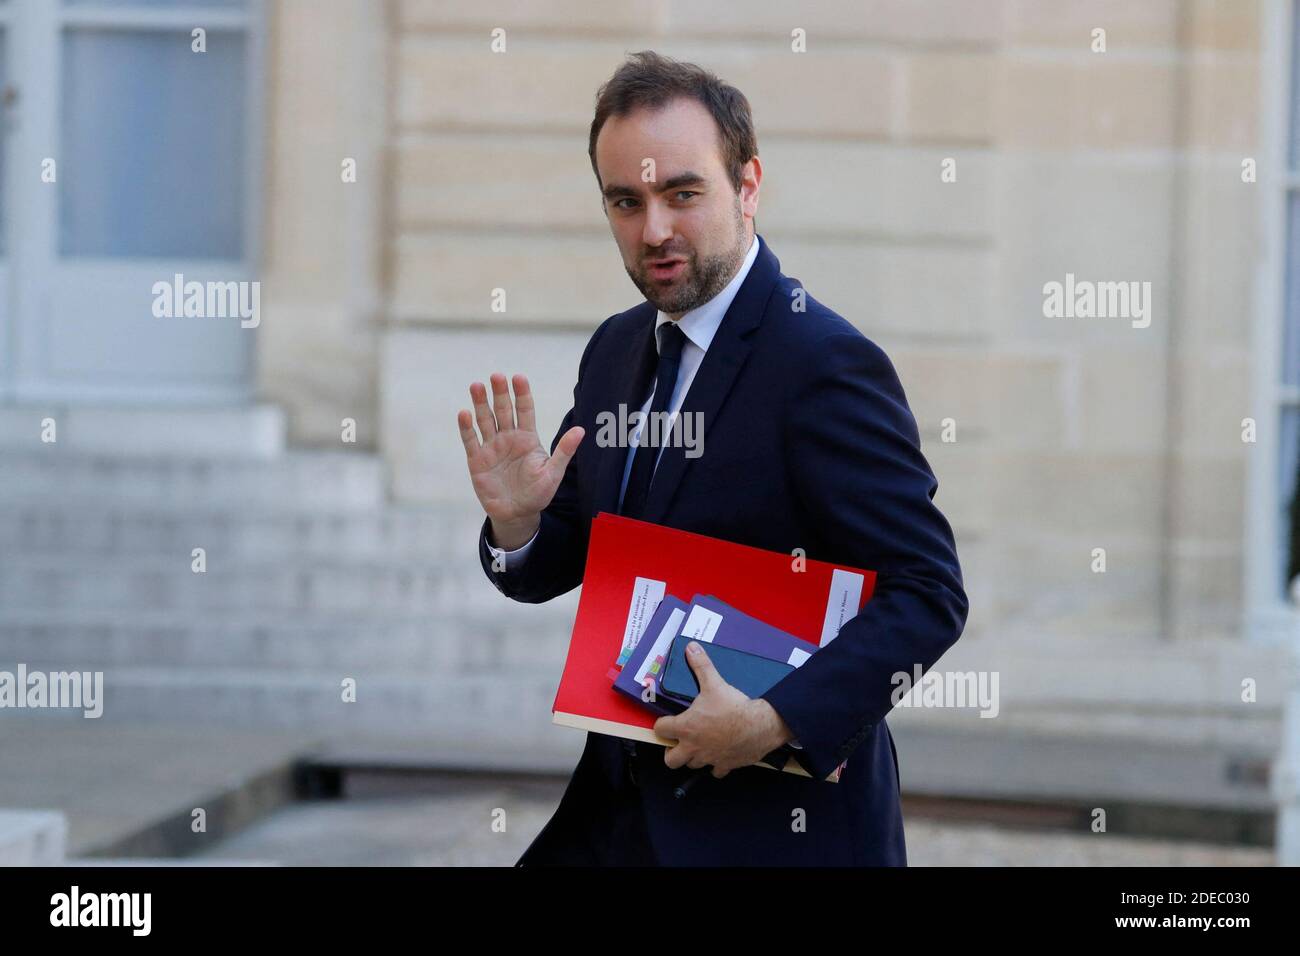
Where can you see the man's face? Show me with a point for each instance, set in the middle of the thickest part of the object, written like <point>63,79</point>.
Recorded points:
<point>684,234</point>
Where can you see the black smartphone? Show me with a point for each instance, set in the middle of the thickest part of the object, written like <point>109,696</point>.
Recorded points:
<point>749,673</point>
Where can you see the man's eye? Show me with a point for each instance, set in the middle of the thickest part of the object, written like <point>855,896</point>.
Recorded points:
<point>687,192</point>
<point>618,203</point>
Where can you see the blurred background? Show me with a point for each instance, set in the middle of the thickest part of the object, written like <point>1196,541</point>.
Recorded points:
<point>380,168</point>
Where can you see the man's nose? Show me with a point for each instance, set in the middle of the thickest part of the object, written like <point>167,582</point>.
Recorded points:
<point>658,227</point>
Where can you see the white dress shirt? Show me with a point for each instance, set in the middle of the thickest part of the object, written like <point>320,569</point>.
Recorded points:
<point>699,326</point>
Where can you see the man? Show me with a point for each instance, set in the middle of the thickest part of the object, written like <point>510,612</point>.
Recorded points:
<point>808,444</point>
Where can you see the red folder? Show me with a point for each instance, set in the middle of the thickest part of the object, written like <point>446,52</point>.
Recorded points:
<point>799,595</point>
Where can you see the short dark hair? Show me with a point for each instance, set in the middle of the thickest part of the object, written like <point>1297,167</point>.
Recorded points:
<point>650,80</point>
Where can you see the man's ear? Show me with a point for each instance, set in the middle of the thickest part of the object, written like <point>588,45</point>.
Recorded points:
<point>752,178</point>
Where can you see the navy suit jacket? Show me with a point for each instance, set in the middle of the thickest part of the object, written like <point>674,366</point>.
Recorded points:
<point>808,443</point>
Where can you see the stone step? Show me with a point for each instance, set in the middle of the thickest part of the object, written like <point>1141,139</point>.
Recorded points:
<point>53,527</point>
<point>297,480</point>
<point>479,711</point>
<point>193,431</point>
<point>32,837</point>
<point>493,634</point>
<point>297,583</point>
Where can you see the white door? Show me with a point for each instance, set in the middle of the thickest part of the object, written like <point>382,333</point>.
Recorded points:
<point>133,152</point>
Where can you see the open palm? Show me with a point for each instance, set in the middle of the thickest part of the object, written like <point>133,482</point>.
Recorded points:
<point>513,475</point>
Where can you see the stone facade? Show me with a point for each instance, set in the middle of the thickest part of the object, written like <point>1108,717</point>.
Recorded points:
<point>1072,434</point>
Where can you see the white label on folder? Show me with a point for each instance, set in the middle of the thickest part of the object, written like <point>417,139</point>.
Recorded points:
<point>797,656</point>
<point>702,624</point>
<point>842,604</point>
<point>654,661</point>
<point>646,595</point>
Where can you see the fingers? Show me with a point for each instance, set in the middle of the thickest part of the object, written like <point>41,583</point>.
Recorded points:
<point>678,756</point>
<point>704,670</point>
<point>501,404</point>
<point>675,757</point>
<point>468,437</point>
<point>487,424</point>
<point>564,451</point>
<point>666,727</point>
<point>524,404</point>
<point>500,415</point>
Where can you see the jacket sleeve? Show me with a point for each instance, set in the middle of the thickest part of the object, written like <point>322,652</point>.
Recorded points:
<point>857,471</point>
<point>557,554</point>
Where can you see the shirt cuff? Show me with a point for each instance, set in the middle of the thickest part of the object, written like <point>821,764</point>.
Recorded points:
<point>518,554</point>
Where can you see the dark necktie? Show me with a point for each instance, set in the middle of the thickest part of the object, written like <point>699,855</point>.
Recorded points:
<point>671,340</point>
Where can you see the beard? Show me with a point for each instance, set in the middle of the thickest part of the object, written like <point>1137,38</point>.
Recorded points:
<point>701,279</point>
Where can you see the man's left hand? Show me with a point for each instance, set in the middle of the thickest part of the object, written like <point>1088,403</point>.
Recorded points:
<point>722,728</point>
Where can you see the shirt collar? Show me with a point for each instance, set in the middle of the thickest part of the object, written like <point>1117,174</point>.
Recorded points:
<point>701,323</point>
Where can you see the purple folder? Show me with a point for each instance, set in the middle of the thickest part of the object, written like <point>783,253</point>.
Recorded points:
<point>746,633</point>
<point>715,622</point>
<point>659,631</point>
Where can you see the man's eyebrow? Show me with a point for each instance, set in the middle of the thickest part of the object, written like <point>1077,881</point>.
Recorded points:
<point>683,179</point>
<point>676,182</point>
<point>611,191</point>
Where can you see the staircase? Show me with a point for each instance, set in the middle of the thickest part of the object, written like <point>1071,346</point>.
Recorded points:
<point>312,578</point>
<point>32,837</point>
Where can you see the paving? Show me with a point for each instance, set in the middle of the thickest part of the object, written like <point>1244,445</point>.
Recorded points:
<point>128,791</point>
<point>455,828</point>
<point>113,781</point>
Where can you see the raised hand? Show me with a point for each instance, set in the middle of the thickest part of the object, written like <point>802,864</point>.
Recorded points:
<point>512,473</point>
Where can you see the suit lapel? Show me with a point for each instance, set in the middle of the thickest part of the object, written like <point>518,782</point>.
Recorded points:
<point>716,375</point>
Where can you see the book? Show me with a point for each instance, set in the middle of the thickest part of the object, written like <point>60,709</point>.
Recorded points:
<point>633,566</point>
